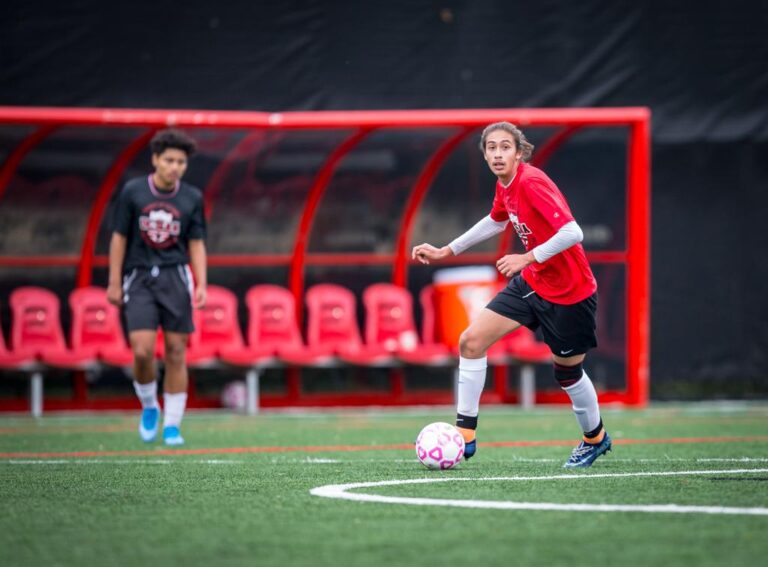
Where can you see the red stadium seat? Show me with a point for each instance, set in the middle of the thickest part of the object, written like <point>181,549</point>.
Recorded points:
<point>216,328</point>
<point>272,328</point>
<point>96,328</point>
<point>12,361</point>
<point>389,323</point>
<point>332,329</point>
<point>36,330</point>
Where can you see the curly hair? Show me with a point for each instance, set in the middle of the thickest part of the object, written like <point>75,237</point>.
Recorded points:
<point>172,138</point>
<point>520,140</point>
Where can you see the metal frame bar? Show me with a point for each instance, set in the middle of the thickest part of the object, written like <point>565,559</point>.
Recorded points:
<point>621,116</point>
<point>317,259</point>
<point>639,263</point>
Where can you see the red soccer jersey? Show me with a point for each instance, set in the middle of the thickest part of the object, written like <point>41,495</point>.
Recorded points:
<point>538,210</point>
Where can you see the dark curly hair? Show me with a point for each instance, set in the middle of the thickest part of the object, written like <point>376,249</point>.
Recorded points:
<point>172,138</point>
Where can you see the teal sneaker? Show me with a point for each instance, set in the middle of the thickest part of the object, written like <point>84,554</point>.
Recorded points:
<point>148,425</point>
<point>172,436</point>
<point>585,453</point>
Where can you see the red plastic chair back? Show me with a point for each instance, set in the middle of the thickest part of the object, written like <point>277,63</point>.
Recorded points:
<point>95,321</point>
<point>36,325</point>
<point>216,324</point>
<point>332,317</point>
<point>272,317</point>
<point>3,348</point>
<point>389,317</point>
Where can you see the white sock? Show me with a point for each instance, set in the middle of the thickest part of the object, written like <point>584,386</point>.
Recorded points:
<point>147,394</point>
<point>471,382</point>
<point>584,401</point>
<point>173,407</point>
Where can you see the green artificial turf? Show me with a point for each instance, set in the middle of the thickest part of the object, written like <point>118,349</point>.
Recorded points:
<point>83,490</point>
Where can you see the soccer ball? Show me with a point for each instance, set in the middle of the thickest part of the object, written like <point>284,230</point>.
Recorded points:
<point>439,446</point>
<point>234,395</point>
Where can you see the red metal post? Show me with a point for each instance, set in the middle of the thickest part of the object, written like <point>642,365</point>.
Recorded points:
<point>250,260</point>
<point>639,262</point>
<point>325,119</point>
<point>415,199</point>
<point>84,269</point>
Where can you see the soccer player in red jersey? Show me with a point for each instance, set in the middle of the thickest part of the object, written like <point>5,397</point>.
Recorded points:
<point>554,289</point>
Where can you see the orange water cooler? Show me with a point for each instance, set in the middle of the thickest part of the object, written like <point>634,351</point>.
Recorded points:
<point>460,294</point>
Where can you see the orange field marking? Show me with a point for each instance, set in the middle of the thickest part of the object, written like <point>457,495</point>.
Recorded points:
<point>350,448</point>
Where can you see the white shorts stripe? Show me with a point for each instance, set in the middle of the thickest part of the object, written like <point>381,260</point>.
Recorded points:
<point>127,281</point>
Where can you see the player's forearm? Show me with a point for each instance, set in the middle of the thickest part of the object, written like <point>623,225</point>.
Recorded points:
<point>198,261</point>
<point>569,235</point>
<point>117,247</point>
<point>483,230</point>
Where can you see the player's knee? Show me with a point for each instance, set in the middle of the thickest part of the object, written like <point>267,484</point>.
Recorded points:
<point>144,354</point>
<point>175,353</point>
<point>471,344</point>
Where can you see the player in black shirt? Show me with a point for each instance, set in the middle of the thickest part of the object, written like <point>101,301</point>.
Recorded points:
<point>159,232</point>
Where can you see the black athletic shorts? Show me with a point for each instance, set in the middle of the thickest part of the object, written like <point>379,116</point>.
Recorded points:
<point>568,329</point>
<point>160,296</point>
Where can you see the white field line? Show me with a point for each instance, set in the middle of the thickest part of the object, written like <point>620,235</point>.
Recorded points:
<point>289,460</point>
<point>341,491</point>
<point>119,462</point>
<point>323,461</point>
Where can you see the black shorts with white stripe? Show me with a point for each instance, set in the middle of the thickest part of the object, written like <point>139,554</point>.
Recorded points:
<point>568,330</point>
<point>160,296</point>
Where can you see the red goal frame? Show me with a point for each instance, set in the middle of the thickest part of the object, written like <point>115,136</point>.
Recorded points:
<point>635,256</point>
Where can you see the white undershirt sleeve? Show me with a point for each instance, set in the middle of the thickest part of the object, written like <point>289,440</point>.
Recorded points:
<point>568,235</point>
<point>483,230</point>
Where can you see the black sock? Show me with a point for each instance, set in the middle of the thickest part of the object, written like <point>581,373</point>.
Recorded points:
<point>595,432</point>
<point>466,421</point>
<point>568,375</point>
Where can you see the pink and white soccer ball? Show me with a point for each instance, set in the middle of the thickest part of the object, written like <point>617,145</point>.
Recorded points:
<point>234,395</point>
<point>439,446</point>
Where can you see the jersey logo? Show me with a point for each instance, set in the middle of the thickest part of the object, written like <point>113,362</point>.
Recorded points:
<point>521,229</point>
<point>160,225</point>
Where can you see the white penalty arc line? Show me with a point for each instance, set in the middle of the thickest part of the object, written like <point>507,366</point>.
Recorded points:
<point>341,491</point>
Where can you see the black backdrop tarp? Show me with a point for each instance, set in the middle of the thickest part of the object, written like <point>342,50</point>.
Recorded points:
<point>701,67</point>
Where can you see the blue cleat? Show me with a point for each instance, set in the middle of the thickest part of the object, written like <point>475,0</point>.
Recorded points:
<point>585,454</point>
<point>172,436</point>
<point>150,418</point>
<point>470,449</point>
